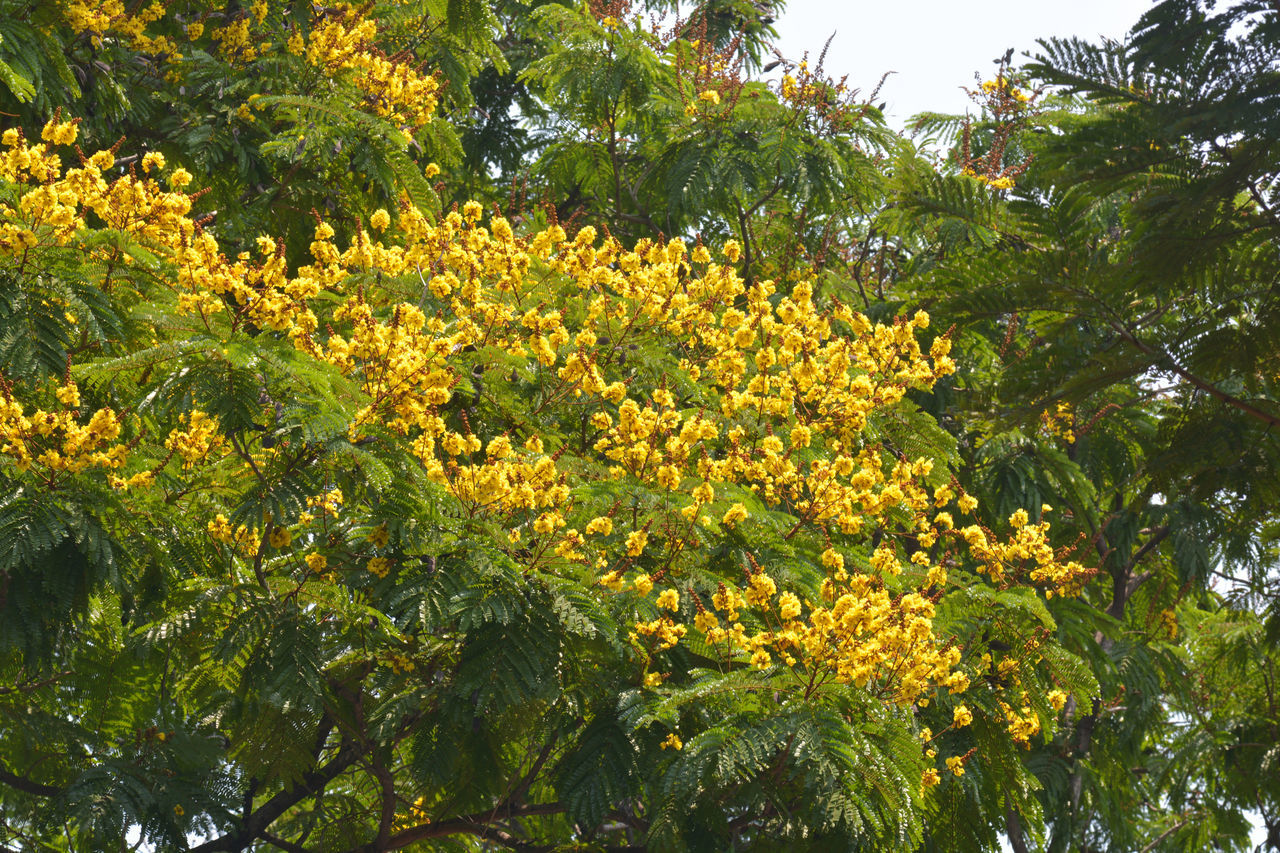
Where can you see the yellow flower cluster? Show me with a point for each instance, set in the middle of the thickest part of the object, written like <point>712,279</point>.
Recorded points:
<point>1026,554</point>
<point>712,73</point>
<point>246,540</point>
<point>999,182</point>
<point>417,814</point>
<point>54,442</point>
<point>1060,422</point>
<point>51,211</point>
<point>664,632</point>
<point>237,42</point>
<point>1003,86</point>
<point>862,635</point>
<point>105,18</point>
<point>194,443</point>
<point>788,394</point>
<point>392,89</point>
<point>1022,724</point>
<point>821,103</point>
<point>341,41</point>
<point>1004,182</point>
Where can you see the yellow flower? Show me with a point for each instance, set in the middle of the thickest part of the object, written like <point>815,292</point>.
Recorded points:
<point>956,765</point>
<point>379,536</point>
<point>711,96</point>
<point>670,599</point>
<point>68,395</point>
<point>673,742</point>
<point>280,537</point>
<point>636,541</point>
<point>643,584</point>
<point>379,566</point>
<point>961,717</point>
<point>600,525</point>
<point>736,513</point>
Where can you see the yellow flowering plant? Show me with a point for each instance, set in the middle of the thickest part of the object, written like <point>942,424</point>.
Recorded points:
<point>398,491</point>
<point>499,373</point>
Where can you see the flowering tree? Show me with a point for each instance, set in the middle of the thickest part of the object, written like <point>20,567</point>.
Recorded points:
<point>338,516</point>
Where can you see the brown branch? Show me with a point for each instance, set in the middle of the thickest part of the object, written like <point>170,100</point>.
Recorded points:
<point>1162,836</point>
<point>312,783</point>
<point>1017,839</point>
<point>473,824</point>
<point>388,786</point>
<point>1127,583</point>
<point>35,685</point>
<point>27,786</point>
<point>287,846</point>
<point>1204,385</point>
<point>522,786</point>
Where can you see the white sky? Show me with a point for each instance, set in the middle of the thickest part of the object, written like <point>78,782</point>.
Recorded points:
<point>936,46</point>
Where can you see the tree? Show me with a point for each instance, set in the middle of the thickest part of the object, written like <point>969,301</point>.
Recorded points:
<point>1119,286</point>
<point>339,519</point>
<point>342,511</point>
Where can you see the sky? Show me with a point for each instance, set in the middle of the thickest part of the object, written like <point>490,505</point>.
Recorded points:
<point>934,47</point>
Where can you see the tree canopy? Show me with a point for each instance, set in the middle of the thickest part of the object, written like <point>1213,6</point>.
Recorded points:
<point>442,425</point>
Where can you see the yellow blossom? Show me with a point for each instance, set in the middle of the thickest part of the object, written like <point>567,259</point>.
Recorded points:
<point>670,599</point>
<point>379,536</point>
<point>735,513</point>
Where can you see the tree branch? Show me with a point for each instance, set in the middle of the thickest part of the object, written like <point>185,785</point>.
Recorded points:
<point>474,824</point>
<point>1204,385</point>
<point>27,786</point>
<point>1017,839</point>
<point>1162,836</point>
<point>287,846</point>
<point>312,783</point>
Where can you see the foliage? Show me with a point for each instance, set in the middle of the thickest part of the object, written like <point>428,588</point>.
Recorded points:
<point>344,512</point>
<point>1117,296</point>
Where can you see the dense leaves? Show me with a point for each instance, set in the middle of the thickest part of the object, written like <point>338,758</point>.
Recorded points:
<point>730,474</point>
